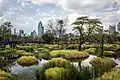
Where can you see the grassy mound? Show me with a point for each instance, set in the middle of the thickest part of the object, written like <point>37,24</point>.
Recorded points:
<point>69,54</point>
<point>6,76</point>
<point>57,69</point>
<point>27,61</point>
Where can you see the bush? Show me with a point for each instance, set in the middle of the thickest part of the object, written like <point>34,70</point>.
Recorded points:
<point>27,48</point>
<point>69,54</point>
<point>114,75</point>
<point>111,47</point>
<point>55,74</point>
<point>57,64</point>
<point>72,46</point>
<point>6,76</point>
<point>91,51</point>
<point>52,47</point>
<point>109,54</point>
<point>43,53</point>
<point>23,53</point>
<point>27,61</point>
<point>103,62</point>
<point>102,65</point>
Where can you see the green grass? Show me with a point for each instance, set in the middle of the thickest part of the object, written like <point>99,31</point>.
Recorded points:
<point>27,61</point>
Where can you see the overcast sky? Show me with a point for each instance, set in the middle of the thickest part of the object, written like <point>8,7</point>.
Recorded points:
<point>26,14</point>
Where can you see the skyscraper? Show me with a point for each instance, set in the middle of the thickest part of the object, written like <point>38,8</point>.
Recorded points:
<point>40,29</point>
<point>33,34</point>
<point>118,26</point>
<point>21,33</point>
<point>112,28</point>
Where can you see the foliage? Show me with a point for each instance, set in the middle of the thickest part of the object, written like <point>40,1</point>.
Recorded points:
<point>55,74</point>
<point>91,51</point>
<point>6,76</point>
<point>102,65</point>
<point>23,53</point>
<point>48,38</point>
<point>70,54</point>
<point>27,61</point>
<point>72,46</point>
<point>109,54</point>
<point>85,27</point>
<point>26,48</point>
<point>52,47</point>
<point>71,72</point>
<point>114,75</point>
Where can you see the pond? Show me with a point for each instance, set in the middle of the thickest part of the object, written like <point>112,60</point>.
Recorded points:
<point>28,73</point>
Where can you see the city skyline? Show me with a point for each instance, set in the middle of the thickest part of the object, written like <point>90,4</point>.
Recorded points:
<point>25,14</point>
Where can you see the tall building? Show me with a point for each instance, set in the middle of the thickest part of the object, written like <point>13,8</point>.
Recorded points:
<point>112,28</point>
<point>33,34</point>
<point>40,29</point>
<point>21,33</point>
<point>118,26</point>
<point>15,33</point>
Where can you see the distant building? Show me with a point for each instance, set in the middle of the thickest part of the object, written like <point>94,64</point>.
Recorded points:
<point>112,28</point>
<point>33,34</point>
<point>40,29</point>
<point>21,33</point>
<point>15,33</point>
<point>118,26</point>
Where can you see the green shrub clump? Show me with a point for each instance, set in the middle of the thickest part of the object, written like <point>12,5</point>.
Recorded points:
<point>57,69</point>
<point>6,76</point>
<point>23,53</point>
<point>27,61</point>
<point>91,51</point>
<point>103,62</point>
<point>102,65</point>
<point>69,54</point>
<point>114,75</point>
<point>109,54</point>
<point>55,73</point>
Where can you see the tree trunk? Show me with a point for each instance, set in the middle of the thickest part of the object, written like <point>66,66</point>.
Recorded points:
<point>80,45</point>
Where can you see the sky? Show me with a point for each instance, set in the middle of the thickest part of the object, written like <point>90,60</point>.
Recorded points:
<point>26,14</point>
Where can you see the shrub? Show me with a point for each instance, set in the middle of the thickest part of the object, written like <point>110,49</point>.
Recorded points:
<point>109,54</point>
<point>6,76</point>
<point>55,74</point>
<point>103,62</point>
<point>27,48</point>
<point>69,54</point>
<point>27,61</point>
<point>52,47</point>
<point>58,64</point>
<point>114,75</point>
<point>91,51</point>
<point>23,53</point>
<point>43,53</point>
<point>72,46</point>
<point>111,47</point>
<point>102,65</point>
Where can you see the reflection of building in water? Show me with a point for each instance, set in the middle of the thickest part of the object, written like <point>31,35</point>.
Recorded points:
<point>40,29</point>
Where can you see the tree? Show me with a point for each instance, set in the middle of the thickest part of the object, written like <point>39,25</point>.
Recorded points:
<point>5,30</point>
<point>48,38</point>
<point>85,27</point>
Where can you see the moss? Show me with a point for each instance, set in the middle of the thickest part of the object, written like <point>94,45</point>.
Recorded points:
<point>27,61</point>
